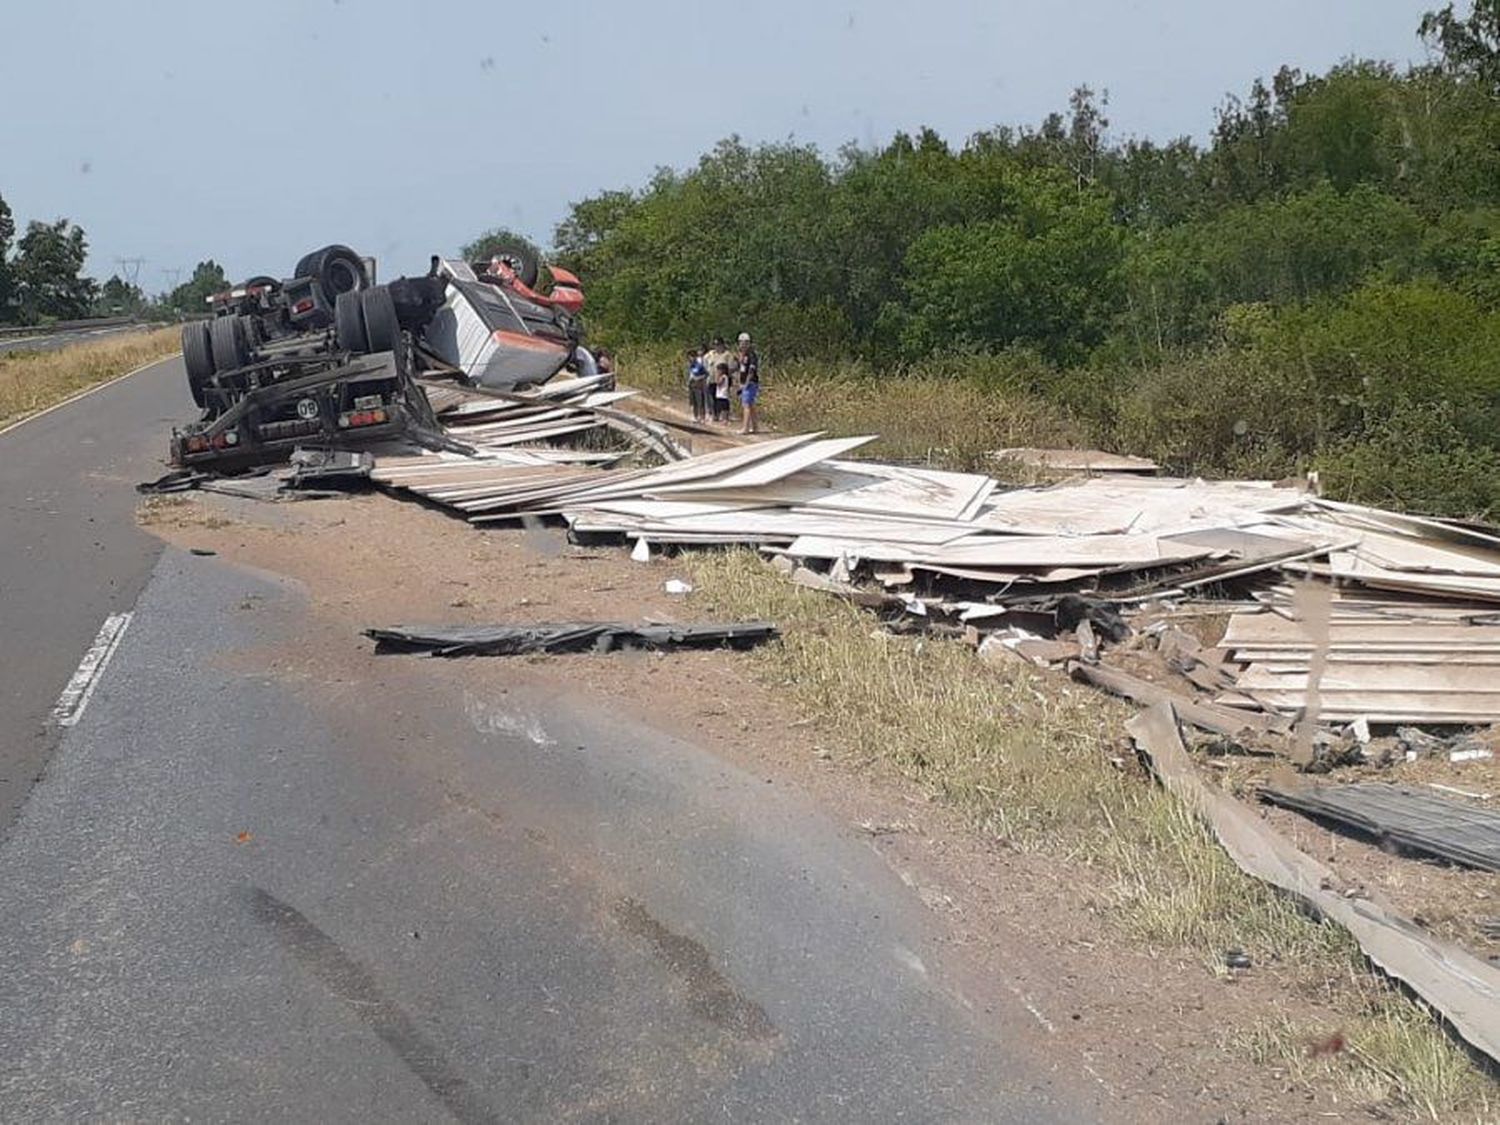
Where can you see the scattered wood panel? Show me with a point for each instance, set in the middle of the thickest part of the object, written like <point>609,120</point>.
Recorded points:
<point>1464,989</point>
<point>1264,630</point>
<point>767,470</point>
<point>872,489</point>
<point>1456,678</point>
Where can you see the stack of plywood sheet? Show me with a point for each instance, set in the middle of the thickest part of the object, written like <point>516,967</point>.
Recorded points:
<point>1390,670</point>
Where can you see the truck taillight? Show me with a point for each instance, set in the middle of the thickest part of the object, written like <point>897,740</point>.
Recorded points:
<point>362,418</point>
<point>302,306</point>
<point>202,443</point>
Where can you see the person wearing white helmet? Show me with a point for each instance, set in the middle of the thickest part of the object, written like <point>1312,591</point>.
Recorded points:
<point>749,365</point>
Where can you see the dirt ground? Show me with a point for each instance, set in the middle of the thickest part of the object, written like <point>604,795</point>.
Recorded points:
<point>1163,1031</point>
<point>1447,900</point>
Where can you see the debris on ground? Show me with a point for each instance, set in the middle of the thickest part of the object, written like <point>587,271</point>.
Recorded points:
<point>1237,959</point>
<point>274,485</point>
<point>329,466</point>
<point>1327,613</point>
<point>583,636</point>
<point>1462,988</point>
<point>1402,818</point>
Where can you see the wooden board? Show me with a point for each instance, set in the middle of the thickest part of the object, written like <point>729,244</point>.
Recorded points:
<point>1271,630</point>
<point>1386,706</point>
<point>1113,505</point>
<point>874,489</point>
<point>1410,678</point>
<point>768,470</point>
<point>730,525</point>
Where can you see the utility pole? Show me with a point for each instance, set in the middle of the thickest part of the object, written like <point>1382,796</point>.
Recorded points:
<point>171,274</point>
<point>130,269</point>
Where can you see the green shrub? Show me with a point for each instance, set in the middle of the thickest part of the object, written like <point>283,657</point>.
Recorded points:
<point>1419,459</point>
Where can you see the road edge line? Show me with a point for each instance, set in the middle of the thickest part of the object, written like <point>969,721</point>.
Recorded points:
<point>75,396</point>
<point>80,687</point>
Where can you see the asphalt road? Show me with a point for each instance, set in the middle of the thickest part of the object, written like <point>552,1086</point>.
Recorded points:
<point>71,553</point>
<point>49,341</point>
<point>253,886</point>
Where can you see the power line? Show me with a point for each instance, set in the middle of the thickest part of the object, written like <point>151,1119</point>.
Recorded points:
<point>131,269</point>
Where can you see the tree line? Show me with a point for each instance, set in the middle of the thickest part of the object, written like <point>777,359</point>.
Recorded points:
<point>1317,281</point>
<point>42,279</point>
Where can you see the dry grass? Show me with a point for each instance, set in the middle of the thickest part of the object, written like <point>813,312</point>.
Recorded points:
<point>1388,1054</point>
<point>32,381</point>
<point>945,419</point>
<point>1041,764</point>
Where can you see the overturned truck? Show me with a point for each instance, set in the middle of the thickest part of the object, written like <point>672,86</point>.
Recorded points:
<point>330,358</point>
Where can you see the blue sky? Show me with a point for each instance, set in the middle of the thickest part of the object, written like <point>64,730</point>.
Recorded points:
<point>173,132</point>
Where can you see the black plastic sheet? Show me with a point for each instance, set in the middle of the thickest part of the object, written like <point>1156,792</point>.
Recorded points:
<point>573,636</point>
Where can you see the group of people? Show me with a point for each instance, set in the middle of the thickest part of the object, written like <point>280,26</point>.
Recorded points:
<point>717,376</point>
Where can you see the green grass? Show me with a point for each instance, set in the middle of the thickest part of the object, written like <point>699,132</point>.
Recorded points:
<point>1027,759</point>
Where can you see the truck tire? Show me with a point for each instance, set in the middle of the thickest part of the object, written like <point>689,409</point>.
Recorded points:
<point>307,265</point>
<point>335,269</point>
<point>198,358</point>
<point>226,336</point>
<point>349,323</point>
<point>527,265</point>
<point>382,329</point>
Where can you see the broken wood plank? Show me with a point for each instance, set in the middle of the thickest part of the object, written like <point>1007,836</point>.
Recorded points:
<point>1207,716</point>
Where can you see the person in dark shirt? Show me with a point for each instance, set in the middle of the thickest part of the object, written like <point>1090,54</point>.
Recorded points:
<point>749,364</point>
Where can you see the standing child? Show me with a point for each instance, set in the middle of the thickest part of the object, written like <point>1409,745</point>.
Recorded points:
<point>721,394</point>
<point>697,377</point>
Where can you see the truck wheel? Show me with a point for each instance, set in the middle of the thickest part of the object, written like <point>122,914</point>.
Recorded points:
<point>382,329</point>
<point>526,264</point>
<point>198,358</point>
<point>307,265</point>
<point>226,335</point>
<point>336,269</point>
<point>349,323</point>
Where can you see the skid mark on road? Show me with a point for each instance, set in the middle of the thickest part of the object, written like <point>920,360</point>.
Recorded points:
<point>710,993</point>
<point>354,985</point>
<point>75,697</point>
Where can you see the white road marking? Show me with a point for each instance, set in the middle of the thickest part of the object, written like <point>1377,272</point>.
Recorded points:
<point>75,697</point>
<point>84,393</point>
